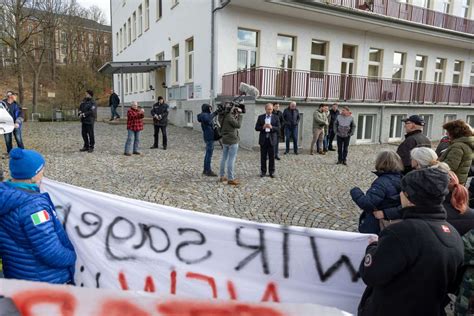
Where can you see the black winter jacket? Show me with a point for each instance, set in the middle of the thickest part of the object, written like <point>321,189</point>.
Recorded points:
<point>413,266</point>
<point>114,100</point>
<point>291,117</point>
<point>332,118</point>
<point>462,222</point>
<point>412,140</point>
<point>160,110</point>
<point>88,108</point>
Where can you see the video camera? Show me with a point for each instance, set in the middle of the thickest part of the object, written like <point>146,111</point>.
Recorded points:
<point>238,102</point>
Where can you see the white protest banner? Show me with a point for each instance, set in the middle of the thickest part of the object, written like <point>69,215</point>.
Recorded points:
<point>39,299</point>
<point>128,244</point>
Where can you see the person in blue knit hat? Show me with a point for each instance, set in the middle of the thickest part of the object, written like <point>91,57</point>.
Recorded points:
<point>33,243</point>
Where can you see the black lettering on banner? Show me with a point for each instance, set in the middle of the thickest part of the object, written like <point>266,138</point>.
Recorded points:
<point>90,219</point>
<point>120,239</point>
<point>259,249</point>
<point>325,275</point>
<point>201,241</point>
<point>146,234</point>
<point>97,278</point>
<point>286,254</point>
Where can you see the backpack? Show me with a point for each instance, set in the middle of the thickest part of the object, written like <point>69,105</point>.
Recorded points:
<point>464,304</point>
<point>216,128</point>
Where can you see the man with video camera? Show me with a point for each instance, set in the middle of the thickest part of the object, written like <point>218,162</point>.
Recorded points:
<point>230,120</point>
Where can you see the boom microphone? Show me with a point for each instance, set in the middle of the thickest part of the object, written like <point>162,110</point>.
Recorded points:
<point>246,89</point>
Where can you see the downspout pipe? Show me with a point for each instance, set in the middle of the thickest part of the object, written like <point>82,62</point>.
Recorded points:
<point>213,28</point>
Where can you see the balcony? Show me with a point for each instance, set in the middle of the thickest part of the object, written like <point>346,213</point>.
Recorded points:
<point>408,12</point>
<point>307,85</point>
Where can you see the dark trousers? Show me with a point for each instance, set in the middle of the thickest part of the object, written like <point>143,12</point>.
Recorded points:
<point>276,149</point>
<point>88,135</point>
<point>157,133</point>
<point>9,139</point>
<point>342,147</point>
<point>291,131</point>
<point>331,136</point>
<point>267,150</point>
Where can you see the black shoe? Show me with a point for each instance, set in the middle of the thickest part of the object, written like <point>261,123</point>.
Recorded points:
<point>210,174</point>
<point>164,148</point>
<point>286,153</point>
<point>330,149</point>
<point>277,158</point>
<point>344,163</point>
<point>153,147</point>
<point>262,175</point>
<point>338,162</point>
<point>90,150</point>
<point>84,149</point>
<point>136,153</point>
<point>111,120</point>
<point>296,153</point>
<point>272,175</point>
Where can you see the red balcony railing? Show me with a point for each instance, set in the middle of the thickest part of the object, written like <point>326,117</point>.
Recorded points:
<point>408,12</point>
<point>300,84</point>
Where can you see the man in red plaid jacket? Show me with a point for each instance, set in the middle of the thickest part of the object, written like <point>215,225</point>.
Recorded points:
<point>134,126</point>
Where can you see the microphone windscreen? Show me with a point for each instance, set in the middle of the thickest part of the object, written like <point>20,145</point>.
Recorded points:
<point>249,90</point>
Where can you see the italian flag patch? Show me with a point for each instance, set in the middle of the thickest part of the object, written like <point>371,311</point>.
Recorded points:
<point>40,217</point>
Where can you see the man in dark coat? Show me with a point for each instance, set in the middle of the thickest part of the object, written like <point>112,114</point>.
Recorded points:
<point>114,102</point>
<point>207,124</point>
<point>281,136</point>
<point>415,263</point>
<point>413,138</point>
<point>333,113</point>
<point>291,116</point>
<point>159,112</point>
<point>269,126</point>
<point>87,113</point>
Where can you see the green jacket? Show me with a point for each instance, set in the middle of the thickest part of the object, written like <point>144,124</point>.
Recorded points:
<point>230,128</point>
<point>459,156</point>
<point>320,120</point>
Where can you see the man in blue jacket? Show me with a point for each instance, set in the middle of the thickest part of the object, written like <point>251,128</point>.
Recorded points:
<point>33,243</point>
<point>206,119</point>
<point>15,111</point>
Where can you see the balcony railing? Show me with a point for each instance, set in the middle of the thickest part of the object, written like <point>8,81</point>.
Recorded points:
<point>307,85</point>
<point>408,12</point>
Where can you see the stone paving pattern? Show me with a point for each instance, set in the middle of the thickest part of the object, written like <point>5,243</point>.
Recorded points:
<point>309,191</point>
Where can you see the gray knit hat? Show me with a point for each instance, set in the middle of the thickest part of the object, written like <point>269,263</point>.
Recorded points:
<point>426,187</point>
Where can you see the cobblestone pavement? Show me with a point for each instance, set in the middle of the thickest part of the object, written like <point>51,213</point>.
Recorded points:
<point>310,191</point>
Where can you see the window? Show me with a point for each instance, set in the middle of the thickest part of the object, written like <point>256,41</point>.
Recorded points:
<point>465,7</point>
<point>160,56</point>
<point>471,80</point>
<point>189,118</point>
<point>365,128</point>
<point>190,59</point>
<point>470,120</point>
<point>175,63</point>
<point>420,68</point>
<point>126,84</point>
<point>147,81</point>
<point>142,81</point>
<point>447,6</point>
<point>449,118</point>
<point>439,70</point>
<point>140,20</point>
<point>134,26</point>
<point>159,9</point>
<point>457,72</point>
<point>348,59</point>
<point>130,82</point>
<point>247,49</point>
<point>375,62</point>
<point>285,51</point>
<point>147,14</point>
<point>125,36</point>
<point>428,118</point>
<point>129,31</point>
<point>117,43</point>
<point>121,39</point>
<point>398,65</point>
<point>318,55</point>
<point>396,126</point>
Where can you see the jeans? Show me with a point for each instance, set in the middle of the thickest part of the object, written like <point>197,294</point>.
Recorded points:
<point>156,135</point>
<point>88,135</point>
<point>208,156</point>
<point>9,139</point>
<point>342,148</point>
<point>291,131</point>
<point>115,114</point>
<point>136,141</point>
<point>229,154</point>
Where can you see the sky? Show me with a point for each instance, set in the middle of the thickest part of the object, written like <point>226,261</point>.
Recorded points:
<point>103,4</point>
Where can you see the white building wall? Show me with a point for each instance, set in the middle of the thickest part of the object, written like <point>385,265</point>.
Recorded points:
<point>270,25</point>
<point>190,18</point>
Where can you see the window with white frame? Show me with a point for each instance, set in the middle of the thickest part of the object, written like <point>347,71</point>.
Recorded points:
<point>117,43</point>
<point>286,51</point>
<point>446,6</point>
<point>129,31</point>
<point>120,40</point>
<point>428,118</point>
<point>175,63</point>
<point>130,82</point>
<point>457,72</point>
<point>160,56</point>
<point>439,70</point>
<point>465,8</point>
<point>375,62</point>
<point>135,82</point>
<point>190,59</point>
<point>471,80</point>
<point>349,53</point>
<point>396,126</point>
<point>134,26</point>
<point>147,81</point>
<point>140,20</point>
<point>365,128</point>
<point>449,118</point>
<point>420,66</point>
<point>247,48</point>
<point>470,120</point>
<point>189,118</point>
<point>159,9</point>
<point>125,36</point>
<point>398,71</point>
<point>319,55</point>
<point>147,14</point>
<point>126,84</point>
<point>141,80</point>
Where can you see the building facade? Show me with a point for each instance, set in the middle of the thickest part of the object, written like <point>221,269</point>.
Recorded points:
<point>385,59</point>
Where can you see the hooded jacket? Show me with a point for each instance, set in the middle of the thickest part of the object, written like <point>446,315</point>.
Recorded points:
<point>33,243</point>
<point>206,120</point>
<point>459,156</point>
<point>230,125</point>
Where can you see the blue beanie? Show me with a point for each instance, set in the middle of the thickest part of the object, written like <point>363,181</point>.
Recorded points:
<point>25,164</point>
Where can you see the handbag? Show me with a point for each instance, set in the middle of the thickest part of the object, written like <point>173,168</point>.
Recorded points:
<point>384,223</point>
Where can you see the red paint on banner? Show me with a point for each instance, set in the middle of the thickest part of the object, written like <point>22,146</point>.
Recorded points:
<point>173,282</point>
<point>231,290</point>
<point>271,292</point>
<point>26,300</point>
<point>149,285</point>
<point>205,278</point>
<point>184,308</point>
<point>121,308</point>
<point>123,281</point>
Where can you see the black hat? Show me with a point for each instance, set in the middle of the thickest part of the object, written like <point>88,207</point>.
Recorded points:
<point>426,187</point>
<point>415,119</point>
<point>90,92</point>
